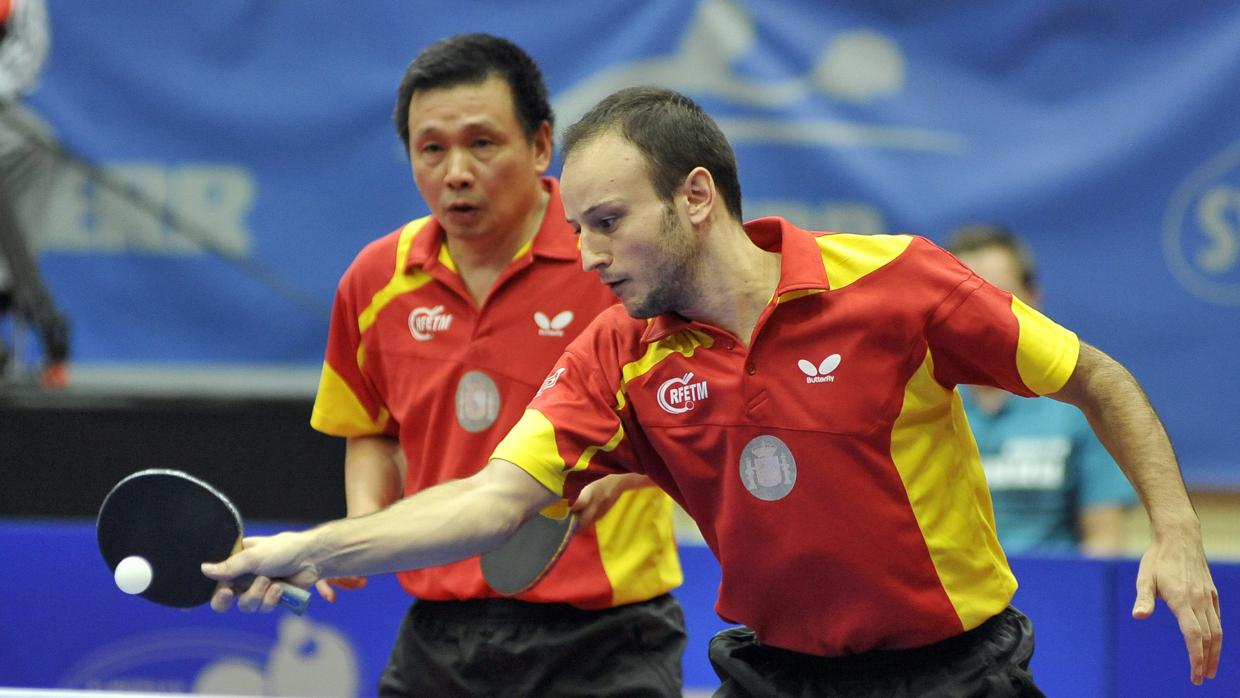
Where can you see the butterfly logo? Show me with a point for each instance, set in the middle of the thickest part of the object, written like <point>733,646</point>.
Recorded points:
<point>553,327</point>
<point>822,372</point>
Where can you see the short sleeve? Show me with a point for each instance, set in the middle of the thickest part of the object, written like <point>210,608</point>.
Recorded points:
<point>982,335</point>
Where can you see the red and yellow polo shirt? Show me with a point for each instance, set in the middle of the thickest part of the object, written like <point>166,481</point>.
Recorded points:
<point>410,355</point>
<point>828,464</point>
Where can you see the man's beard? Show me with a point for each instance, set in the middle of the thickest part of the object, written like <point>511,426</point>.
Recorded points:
<point>673,272</point>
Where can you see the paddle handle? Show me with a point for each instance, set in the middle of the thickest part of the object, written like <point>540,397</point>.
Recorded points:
<point>292,597</point>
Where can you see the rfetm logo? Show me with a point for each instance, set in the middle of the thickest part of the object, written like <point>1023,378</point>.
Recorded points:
<point>822,372</point>
<point>424,323</point>
<point>679,395</point>
<point>553,327</point>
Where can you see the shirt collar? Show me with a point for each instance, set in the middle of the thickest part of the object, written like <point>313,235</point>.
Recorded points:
<point>800,269</point>
<point>554,239</point>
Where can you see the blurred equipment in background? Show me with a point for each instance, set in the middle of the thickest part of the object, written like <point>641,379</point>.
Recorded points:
<point>25,186</point>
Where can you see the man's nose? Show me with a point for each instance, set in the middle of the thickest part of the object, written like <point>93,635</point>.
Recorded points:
<point>592,257</point>
<point>460,172</point>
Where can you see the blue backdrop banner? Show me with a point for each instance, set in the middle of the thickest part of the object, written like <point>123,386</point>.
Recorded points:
<point>259,134</point>
<point>74,629</point>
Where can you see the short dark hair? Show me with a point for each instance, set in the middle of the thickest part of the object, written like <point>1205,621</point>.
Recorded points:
<point>469,59</point>
<point>671,131</point>
<point>982,236</point>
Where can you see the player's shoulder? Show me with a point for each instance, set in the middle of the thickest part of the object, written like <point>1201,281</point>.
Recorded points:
<point>385,248</point>
<point>848,257</point>
<point>878,248</point>
<point>378,259</point>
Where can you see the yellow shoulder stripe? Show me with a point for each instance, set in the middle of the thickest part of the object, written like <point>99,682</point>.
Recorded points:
<point>848,257</point>
<point>398,284</point>
<point>400,281</point>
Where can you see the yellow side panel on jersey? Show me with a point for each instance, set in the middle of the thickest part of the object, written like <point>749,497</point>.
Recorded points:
<point>347,416</point>
<point>848,257</point>
<point>530,445</point>
<point>1046,353</point>
<point>934,452</point>
<point>640,520</point>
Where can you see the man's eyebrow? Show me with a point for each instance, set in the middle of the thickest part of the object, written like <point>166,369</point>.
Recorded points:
<point>425,130</point>
<point>478,124</point>
<point>594,209</point>
<point>588,213</point>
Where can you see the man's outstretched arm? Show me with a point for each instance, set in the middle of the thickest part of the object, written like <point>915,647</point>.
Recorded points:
<point>1174,567</point>
<point>445,523</point>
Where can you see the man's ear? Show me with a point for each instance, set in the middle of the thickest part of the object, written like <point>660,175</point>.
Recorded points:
<point>542,145</point>
<point>700,194</point>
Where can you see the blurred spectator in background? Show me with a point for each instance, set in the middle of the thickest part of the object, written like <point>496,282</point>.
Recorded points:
<point>1054,486</point>
<point>26,169</point>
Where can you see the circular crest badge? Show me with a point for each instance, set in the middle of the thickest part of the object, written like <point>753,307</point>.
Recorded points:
<point>768,469</point>
<point>477,401</point>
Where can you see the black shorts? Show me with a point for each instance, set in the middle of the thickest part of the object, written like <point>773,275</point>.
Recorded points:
<point>990,660</point>
<point>504,647</point>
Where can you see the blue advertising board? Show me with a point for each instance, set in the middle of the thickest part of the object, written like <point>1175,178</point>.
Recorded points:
<point>71,628</point>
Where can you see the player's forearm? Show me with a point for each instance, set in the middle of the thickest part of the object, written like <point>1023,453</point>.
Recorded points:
<point>1128,427</point>
<point>373,476</point>
<point>442,524</point>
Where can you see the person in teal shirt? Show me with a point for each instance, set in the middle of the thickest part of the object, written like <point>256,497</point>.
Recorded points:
<point>1055,488</point>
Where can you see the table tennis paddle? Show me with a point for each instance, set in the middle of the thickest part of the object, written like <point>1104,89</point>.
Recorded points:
<point>528,555</point>
<point>173,522</point>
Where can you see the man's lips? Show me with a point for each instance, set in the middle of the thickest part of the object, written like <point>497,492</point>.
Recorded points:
<point>462,214</point>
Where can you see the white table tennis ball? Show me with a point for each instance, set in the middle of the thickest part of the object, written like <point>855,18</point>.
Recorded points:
<point>134,574</point>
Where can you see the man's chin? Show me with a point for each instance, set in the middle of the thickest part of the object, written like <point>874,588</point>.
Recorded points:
<point>464,226</point>
<point>641,311</point>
